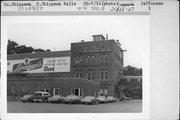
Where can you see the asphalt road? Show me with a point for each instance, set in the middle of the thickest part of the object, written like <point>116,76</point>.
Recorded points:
<point>132,106</point>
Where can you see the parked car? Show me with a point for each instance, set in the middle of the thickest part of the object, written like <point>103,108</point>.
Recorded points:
<point>124,98</point>
<point>102,99</point>
<point>26,98</point>
<point>89,100</point>
<point>55,99</point>
<point>40,96</point>
<point>72,99</point>
<point>111,99</point>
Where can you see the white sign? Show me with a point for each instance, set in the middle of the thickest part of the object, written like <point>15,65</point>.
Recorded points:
<point>39,65</point>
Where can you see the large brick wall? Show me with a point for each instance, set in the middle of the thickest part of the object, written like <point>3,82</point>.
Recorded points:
<point>35,83</point>
<point>113,66</point>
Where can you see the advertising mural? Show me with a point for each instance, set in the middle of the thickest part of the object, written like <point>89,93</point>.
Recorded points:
<point>39,65</point>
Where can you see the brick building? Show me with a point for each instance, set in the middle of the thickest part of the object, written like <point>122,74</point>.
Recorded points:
<point>98,60</point>
<point>89,68</point>
<point>132,86</point>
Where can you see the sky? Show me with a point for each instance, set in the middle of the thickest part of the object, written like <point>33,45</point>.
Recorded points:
<point>57,34</point>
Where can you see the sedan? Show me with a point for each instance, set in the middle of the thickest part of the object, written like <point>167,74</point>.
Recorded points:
<point>72,99</point>
<point>124,98</point>
<point>102,99</point>
<point>55,99</point>
<point>89,100</point>
<point>111,99</point>
<point>26,98</point>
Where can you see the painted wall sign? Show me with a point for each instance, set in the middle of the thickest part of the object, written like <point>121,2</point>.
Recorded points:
<point>39,65</point>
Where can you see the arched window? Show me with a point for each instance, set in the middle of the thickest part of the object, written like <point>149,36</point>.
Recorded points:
<point>97,48</point>
<point>102,48</point>
<point>105,58</point>
<point>24,88</point>
<point>13,88</point>
<point>91,49</point>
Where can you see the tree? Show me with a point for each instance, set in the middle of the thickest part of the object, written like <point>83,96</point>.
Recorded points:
<point>14,48</point>
<point>39,50</point>
<point>11,47</point>
<point>132,71</point>
<point>24,49</point>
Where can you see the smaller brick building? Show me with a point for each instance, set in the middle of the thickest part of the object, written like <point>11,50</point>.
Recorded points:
<point>131,86</point>
<point>22,84</point>
<point>42,73</point>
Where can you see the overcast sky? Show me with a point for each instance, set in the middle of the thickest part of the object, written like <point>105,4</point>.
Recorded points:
<point>60,32</point>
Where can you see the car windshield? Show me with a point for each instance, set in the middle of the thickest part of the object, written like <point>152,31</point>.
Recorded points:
<point>88,97</point>
<point>46,94</point>
<point>38,94</point>
<point>101,97</point>
<point>27,96</point>
<point>56,96</point>
<point>110,97</point>
<point>71,96</point>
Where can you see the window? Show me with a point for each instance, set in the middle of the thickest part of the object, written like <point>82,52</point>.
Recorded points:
<point>77,91</point>
<point>85,49</point>
<point>93,75</point>
<point>101,58</point>
<point>78,74</point>
<point>103,75</point>
<point>57,91</point>
<point>91,49</point>
<point>89,59</point>
<point>97,48</point>
<point>109,48</point>
<point>44,90</point>
<point>90,75</point>
<point>24,88</point>
<point>102,48</point>
<point>78,60</point>
<point>105,58</point>
<point>13,88</point>
<point>128,80</point>
<point>46,94</point>
<point>93,59</point>
<point>103,92</point>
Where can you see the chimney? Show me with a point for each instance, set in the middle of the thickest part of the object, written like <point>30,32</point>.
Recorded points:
<point>106,36</point>
<point>98,37</point>
<point>82,40</point>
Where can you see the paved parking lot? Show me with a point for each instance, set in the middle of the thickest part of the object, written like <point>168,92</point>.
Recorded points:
<point>132,106</point>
